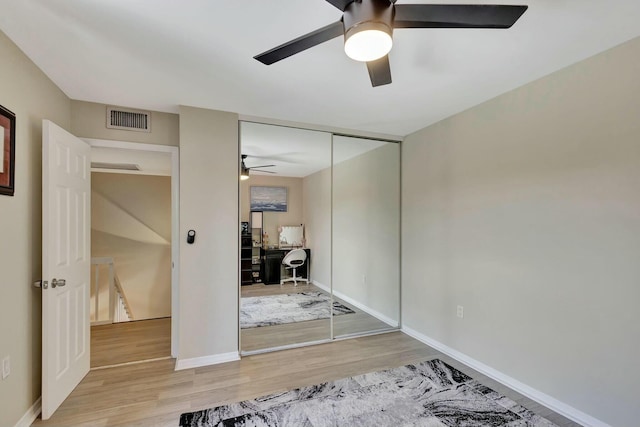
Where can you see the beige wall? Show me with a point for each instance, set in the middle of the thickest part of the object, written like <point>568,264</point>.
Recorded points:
<point>146,198</point>
<point>27,92</point>
<point>209,187</point>
<point>316,191</point>
<point>273,220</point>
<point>526,211</point>
<point>88,120</point>
<point>131,222</point>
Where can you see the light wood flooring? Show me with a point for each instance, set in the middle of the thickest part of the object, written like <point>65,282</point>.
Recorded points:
<point>130,341</point>
<point>253,339</point>
<point>153,394</point>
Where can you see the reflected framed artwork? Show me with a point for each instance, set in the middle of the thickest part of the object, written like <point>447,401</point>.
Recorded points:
<point>269,199</point>
<point>7,151</point>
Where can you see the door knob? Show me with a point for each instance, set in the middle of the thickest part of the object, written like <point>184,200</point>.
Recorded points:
<point>58,282</point>
<point>43,284</point>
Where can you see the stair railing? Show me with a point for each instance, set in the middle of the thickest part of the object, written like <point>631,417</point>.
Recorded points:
<point>116,294</point>
<point>123,311</point>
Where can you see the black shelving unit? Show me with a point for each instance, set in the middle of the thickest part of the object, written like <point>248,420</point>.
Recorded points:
<point>257,264</point>
<point>246,267</point>
<point>257,253</point>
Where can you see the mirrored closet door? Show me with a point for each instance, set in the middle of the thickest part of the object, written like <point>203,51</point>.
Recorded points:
<point>280,306</point>
<point>366,234</point>
<point>319,236</point>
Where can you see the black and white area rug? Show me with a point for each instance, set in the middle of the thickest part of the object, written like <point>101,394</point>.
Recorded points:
<point>287,308</point>
<point>430,394</point>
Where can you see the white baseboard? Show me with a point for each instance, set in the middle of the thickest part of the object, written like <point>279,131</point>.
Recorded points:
<point>386,319</point>
<point>30,416</point>
<point>214,359</point>
<point>321,286</point>
<point>544,399</point>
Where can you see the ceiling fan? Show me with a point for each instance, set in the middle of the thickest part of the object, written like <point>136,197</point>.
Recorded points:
<point>367,27</point>
<point>244,170</point>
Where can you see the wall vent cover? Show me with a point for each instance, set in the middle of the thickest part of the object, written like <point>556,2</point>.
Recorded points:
<point>125,119</point>
<point>117,166</point>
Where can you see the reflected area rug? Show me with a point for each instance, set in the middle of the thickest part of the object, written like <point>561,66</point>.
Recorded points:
<point>429,394</point>
<point>287,308</point>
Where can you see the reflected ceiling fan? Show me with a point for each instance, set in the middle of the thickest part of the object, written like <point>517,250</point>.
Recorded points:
<point>367,27</point>
<point>244,170</point>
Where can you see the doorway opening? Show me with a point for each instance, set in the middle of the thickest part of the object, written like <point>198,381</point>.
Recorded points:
<point>133,252</point>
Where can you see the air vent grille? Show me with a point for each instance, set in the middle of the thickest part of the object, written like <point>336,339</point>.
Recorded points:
<point>117,166</point>
<point>118,118</point>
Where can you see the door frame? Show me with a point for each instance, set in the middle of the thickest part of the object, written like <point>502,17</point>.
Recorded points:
<point>175,220</point>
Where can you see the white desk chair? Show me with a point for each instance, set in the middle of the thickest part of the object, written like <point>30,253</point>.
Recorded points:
<point>292,260</point>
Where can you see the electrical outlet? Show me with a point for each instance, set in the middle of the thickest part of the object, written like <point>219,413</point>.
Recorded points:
<point>6,367</point>
<point>460,311</point>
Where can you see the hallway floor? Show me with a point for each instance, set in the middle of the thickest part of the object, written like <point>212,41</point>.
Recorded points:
<point>130,342</point>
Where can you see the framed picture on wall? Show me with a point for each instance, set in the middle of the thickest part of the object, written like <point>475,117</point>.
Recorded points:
<point>269,199</point>
<point>7,151</point>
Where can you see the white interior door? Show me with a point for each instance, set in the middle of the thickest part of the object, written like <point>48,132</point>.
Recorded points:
<point>66,257</point>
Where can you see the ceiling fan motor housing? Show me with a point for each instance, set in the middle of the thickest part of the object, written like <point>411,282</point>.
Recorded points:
<point>368,15</point>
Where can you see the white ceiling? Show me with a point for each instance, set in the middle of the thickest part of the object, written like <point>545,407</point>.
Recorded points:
<point>158,54</point>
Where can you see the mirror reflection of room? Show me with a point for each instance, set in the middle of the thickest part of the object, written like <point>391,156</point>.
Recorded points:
<point>297,206</point>
<point>280,305</point>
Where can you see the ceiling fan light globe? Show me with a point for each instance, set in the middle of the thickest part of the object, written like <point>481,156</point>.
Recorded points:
<point>244,171</point>
<point>366,43</point>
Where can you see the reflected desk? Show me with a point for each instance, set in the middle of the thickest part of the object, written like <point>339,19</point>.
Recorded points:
<point>273,267</point>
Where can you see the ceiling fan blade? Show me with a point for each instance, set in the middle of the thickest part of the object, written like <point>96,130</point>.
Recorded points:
<point>266,172</point>
<point>456,15</point>
<point>287,157</point>
<point>340,4</point>
<point>304,42</point>
<point>379,71</point>
<point>263,166</point>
